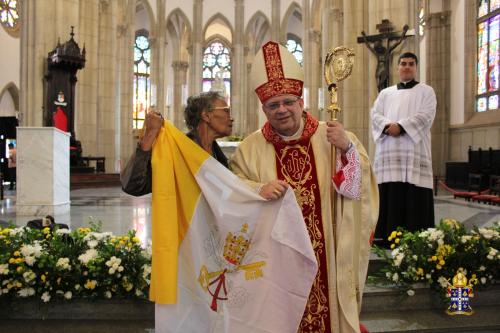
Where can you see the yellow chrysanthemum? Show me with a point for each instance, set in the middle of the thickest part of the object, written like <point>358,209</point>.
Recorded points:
<point>90,284</point>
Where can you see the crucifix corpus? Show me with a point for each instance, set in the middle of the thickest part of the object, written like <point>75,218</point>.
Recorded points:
<point>382,45</point>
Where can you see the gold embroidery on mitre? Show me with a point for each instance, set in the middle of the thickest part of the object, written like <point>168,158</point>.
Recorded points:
<point>272,61</point>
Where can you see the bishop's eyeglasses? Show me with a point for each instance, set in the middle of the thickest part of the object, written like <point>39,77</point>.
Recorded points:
<point>289,102</point>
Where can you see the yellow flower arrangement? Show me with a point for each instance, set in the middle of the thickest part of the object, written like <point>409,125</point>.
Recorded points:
<point>51,264</point>
<point>434,255</point>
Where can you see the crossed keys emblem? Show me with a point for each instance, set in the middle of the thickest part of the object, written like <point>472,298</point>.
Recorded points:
<point>235,248</point>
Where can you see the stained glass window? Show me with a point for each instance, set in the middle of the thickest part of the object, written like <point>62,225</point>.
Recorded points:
<point>142,83</point>
<point>488,27</point>
<point>293,45</point>
<point>217,69</point>
<point>9,14</point>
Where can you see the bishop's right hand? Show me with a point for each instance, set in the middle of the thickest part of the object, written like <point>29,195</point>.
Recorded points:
<point>273,190</point>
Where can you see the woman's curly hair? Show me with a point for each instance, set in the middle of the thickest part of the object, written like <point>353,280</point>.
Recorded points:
<point>198,103</point>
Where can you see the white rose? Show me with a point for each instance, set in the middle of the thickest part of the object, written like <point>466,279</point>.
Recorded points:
<point>68,295</point>
<point>92,243</point>
<point>4,269</point>
<point>108,294</point>
<point>483,280</point>
<point>395,277</point>
<point>29,260</point>
<point>410,292</point>
<point>45,297</point>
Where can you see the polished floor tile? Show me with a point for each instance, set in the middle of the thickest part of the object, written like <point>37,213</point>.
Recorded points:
<point>120,212</point>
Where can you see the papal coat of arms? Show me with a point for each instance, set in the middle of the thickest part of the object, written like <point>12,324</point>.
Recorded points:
<point>234,250</point>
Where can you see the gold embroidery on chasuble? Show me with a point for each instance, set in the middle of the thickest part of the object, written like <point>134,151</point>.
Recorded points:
<point>295,164</point>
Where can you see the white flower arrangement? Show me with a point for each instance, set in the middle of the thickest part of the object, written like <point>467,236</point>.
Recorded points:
<point>84,263</point>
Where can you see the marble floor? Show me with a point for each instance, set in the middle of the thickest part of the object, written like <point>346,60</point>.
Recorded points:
<point>120,212</point>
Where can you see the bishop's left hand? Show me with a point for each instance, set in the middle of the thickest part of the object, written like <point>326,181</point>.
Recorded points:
<point>336,135</point>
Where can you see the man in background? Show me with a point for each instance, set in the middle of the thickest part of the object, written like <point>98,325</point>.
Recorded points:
<point>401,118</point>
<point>11,164</point>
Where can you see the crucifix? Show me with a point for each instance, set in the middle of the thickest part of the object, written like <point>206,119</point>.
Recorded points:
<point>382,45</point>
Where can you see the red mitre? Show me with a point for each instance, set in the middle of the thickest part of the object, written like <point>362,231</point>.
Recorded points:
<point>275,71</point>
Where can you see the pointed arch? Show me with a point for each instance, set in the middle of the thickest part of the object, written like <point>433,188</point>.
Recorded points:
<point>13,91</point>
<point>144,5</point>
<point>180,33</point>
<point>258,31</point>
<point>293,13</point>
<point>221,19</point>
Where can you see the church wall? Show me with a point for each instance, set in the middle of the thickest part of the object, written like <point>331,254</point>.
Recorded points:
<point>104,97</point>
<point>10,55</point>
<point>185,6</point>
<point>251,7</point>
<point>223,7</point>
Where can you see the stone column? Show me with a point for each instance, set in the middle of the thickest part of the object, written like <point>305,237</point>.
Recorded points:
<point>125,36</point>
<point>107,67</point>
<point>252,102</point>
<point>438,77</point>
<point>159,57</point>
<point>238,71</point>
<point>307,61</point>
<point>470,84</point>
<point>196,49</point>
<point>315,71</point>
<point>275,20</point>
<point>180,69</point>
<point>332,24</point>
<point>353,91</point>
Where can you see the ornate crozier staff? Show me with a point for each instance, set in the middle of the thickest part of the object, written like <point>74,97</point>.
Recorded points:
<point>338,66</point>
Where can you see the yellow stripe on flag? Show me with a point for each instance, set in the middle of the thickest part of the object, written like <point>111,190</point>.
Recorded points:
<point>175,161</point>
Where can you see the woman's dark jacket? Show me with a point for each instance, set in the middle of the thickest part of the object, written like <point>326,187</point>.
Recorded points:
<point>136,177</point>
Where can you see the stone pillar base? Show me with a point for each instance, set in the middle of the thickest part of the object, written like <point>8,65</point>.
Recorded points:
<point>42,210</point>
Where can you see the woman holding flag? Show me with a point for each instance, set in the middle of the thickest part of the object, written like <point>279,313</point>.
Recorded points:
<point>207,116</point>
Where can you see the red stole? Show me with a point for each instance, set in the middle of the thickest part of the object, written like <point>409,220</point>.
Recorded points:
<point>295,164</point>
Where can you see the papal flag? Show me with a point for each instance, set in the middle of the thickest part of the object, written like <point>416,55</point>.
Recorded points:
<point>224,259</point>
